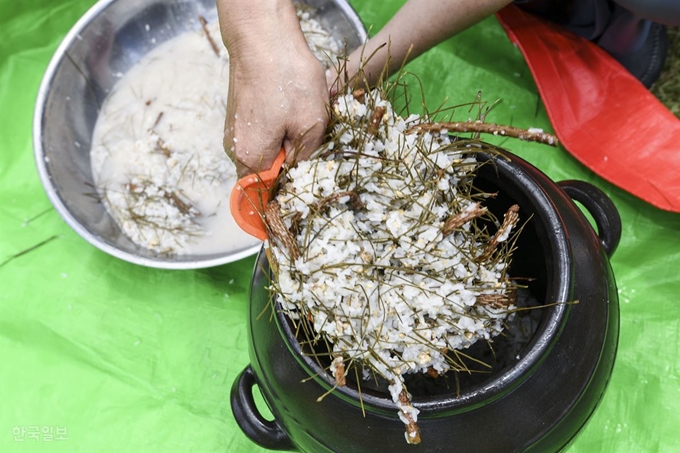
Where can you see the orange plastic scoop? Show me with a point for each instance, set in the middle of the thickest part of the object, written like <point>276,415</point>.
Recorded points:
<point>250,195</point>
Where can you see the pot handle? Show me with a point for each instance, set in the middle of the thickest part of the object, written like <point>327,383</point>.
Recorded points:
<point>265,433</point>
<point>601,208</point>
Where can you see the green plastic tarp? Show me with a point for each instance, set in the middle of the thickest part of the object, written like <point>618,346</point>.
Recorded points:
<point>99,355</point>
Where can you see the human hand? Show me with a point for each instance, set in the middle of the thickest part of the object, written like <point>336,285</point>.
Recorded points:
<point>277,92</point>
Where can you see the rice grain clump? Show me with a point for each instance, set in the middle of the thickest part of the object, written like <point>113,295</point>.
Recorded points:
<point>157,156</point>
<point>325,48</point>
<point>376,253</point>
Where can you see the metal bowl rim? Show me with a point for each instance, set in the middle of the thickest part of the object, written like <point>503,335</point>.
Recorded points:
<point>46,180</point>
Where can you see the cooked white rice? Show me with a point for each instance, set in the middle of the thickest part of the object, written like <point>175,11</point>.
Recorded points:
<point>376,275</point>
<point>157,156</point>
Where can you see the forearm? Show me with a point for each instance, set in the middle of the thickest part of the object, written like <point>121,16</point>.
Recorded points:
<point>250,27</point>
<point>418,26</point>
<point>277,89</point>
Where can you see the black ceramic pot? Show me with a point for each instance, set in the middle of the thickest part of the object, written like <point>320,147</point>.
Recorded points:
<point>539,402</point>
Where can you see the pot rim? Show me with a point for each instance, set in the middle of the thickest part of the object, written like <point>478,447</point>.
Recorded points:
<point>558,290</point>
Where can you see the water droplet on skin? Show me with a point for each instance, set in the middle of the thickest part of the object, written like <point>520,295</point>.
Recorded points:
<point>64,275</point>
<point>137,343</point>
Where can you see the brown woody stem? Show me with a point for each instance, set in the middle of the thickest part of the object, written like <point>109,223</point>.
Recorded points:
<point>375,120</point>
<point>339,371</point>
<point>510,219</point>
<point>497,300</point>
<point>456,221</point>
<point>412,429</point>
<point>278,229</point>
<point>488,128</point>
<point>204,25</point>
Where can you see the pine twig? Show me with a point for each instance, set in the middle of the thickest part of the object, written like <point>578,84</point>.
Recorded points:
<point>510,219</point>
<point>488,128</point>
<point>463,217</point>
<point>412,429</point>
<point>375,120</point>
<point>204,25</point>
<point>278,229</point>
<point>497,300</point>
<point>28,250</point>
<point>339,371</point>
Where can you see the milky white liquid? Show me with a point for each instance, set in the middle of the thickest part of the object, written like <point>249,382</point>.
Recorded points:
<point>179,152</point>
<point>157,153</point>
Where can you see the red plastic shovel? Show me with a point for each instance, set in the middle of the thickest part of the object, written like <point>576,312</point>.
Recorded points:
<point>602,114</point>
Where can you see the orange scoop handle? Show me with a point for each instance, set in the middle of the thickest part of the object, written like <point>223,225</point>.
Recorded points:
<point>250,196</point>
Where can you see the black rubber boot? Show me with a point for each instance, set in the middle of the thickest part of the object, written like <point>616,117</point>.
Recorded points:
<point>641,46</point>
<point>654,53</point>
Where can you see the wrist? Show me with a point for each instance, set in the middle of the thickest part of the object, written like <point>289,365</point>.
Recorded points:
<point>256,27</point>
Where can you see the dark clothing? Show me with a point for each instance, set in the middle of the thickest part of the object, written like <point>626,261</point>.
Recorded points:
<point>590,18</point>
<point>632,31</point>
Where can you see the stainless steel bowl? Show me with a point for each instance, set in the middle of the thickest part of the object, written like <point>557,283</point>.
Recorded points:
<point>110,38</point>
